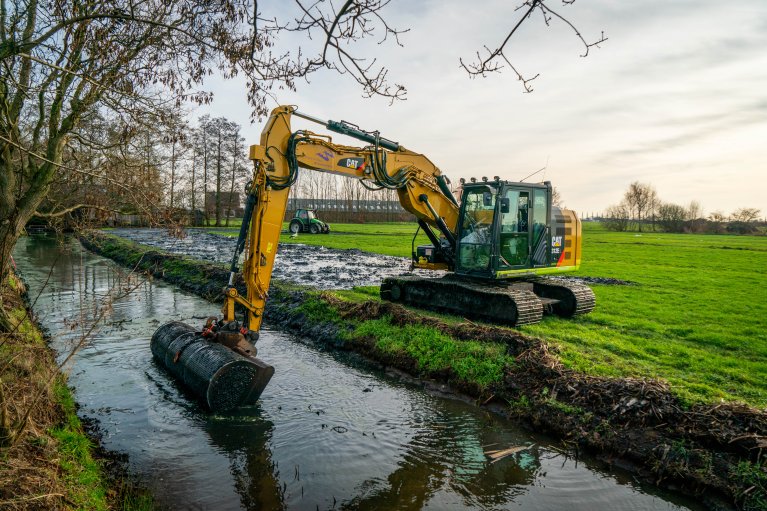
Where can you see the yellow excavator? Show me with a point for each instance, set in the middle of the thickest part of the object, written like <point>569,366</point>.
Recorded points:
<point>497,250</point>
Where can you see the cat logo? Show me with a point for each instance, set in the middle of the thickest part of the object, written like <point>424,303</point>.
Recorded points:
<point>556,241</point>
<point>351,163</point>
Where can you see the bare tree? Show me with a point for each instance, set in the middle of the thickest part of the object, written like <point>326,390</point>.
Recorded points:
<point>556,198</point>
<point>638,198</point>
<point>239,168</point>
<point>743,221</point>
<point>695,219</point>
<point>176,136</point>
<point>745,215</point>
<point>716,221</point>
<point>652,210</point>
<point>672,217</point>
<point>618,217</point>
<point>205,157</point>
<point>218,131</point>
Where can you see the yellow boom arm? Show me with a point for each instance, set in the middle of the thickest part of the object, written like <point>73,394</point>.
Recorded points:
<point>421,188</point>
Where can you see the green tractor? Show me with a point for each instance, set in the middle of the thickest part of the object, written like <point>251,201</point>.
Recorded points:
<point>305,220</point>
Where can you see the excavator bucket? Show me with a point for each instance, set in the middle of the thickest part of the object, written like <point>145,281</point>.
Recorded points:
<point>220,377</point>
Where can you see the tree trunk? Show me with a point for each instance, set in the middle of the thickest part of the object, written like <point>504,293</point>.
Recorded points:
<point>234,171</point>
<point>205,179</point>
<point>218,182</point>
<point>7,242</point>
<point>11,228</point>
<point>172,173</point>
<point>193,220</point>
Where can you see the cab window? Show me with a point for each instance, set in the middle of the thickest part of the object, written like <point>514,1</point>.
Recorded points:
<point>476,230</point>
<point>514,229</point>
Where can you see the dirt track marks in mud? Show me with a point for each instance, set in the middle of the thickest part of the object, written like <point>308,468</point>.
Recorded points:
<point>308,265</point>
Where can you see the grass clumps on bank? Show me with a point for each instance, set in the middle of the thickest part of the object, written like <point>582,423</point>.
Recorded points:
<point>46,459</point>
<point>753,478</point>
<point>471,362</point>
<point>422,349</point>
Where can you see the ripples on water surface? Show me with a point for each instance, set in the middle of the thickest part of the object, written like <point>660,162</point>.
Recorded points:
<point>328,432</point>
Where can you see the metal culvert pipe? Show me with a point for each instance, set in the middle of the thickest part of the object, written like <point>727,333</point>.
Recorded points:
<point>221,378</point>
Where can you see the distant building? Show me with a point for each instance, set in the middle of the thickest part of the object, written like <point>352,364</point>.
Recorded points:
<point>344,210</point>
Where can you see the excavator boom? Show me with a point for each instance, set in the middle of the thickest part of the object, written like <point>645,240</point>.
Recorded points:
<point>420,186</point>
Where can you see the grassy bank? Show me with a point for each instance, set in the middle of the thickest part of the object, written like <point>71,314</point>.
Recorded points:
<point>695,318</point>
<point>705,449</point>
<point>46,459</point>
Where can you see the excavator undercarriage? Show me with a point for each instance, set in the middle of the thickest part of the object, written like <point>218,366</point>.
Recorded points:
<point>512,303</point>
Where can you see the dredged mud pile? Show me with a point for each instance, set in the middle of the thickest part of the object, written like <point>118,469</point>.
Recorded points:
<point>714,452</point>
<point>308,265</point>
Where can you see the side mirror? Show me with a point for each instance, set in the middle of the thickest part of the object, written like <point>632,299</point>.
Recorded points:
<point>505,205</point>
<point>487,199</point>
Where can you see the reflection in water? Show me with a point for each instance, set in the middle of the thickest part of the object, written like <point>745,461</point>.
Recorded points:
<point>244,439</point>
<point>328,432</point>
<point>449,455</point>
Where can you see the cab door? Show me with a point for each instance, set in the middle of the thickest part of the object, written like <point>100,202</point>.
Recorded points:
<point>540,248</point>
<point>475,236</point>
<point>514,236</point>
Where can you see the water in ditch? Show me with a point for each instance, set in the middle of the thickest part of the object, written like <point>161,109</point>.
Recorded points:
<point>330,431</point>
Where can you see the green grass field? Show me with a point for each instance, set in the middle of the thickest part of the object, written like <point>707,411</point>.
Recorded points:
<point>696,318</point>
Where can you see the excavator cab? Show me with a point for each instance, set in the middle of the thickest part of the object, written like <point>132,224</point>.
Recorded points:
<point>505,229</point>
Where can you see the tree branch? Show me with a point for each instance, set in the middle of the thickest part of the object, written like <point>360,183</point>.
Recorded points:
<point>490,62</point>
<point>54,214</point>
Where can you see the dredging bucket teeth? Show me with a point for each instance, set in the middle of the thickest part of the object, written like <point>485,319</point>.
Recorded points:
<point>220,377</point>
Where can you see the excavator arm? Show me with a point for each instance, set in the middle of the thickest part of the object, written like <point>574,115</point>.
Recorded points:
<point>420,186</point>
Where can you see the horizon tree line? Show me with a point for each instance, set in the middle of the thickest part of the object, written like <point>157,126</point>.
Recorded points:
<point>641,207</point>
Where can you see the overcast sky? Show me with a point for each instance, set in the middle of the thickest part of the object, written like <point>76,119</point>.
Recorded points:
<point>677,97</point>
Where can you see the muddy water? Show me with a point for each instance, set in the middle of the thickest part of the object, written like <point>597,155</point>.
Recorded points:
<point>329,432</point>
<point>309,265</point>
